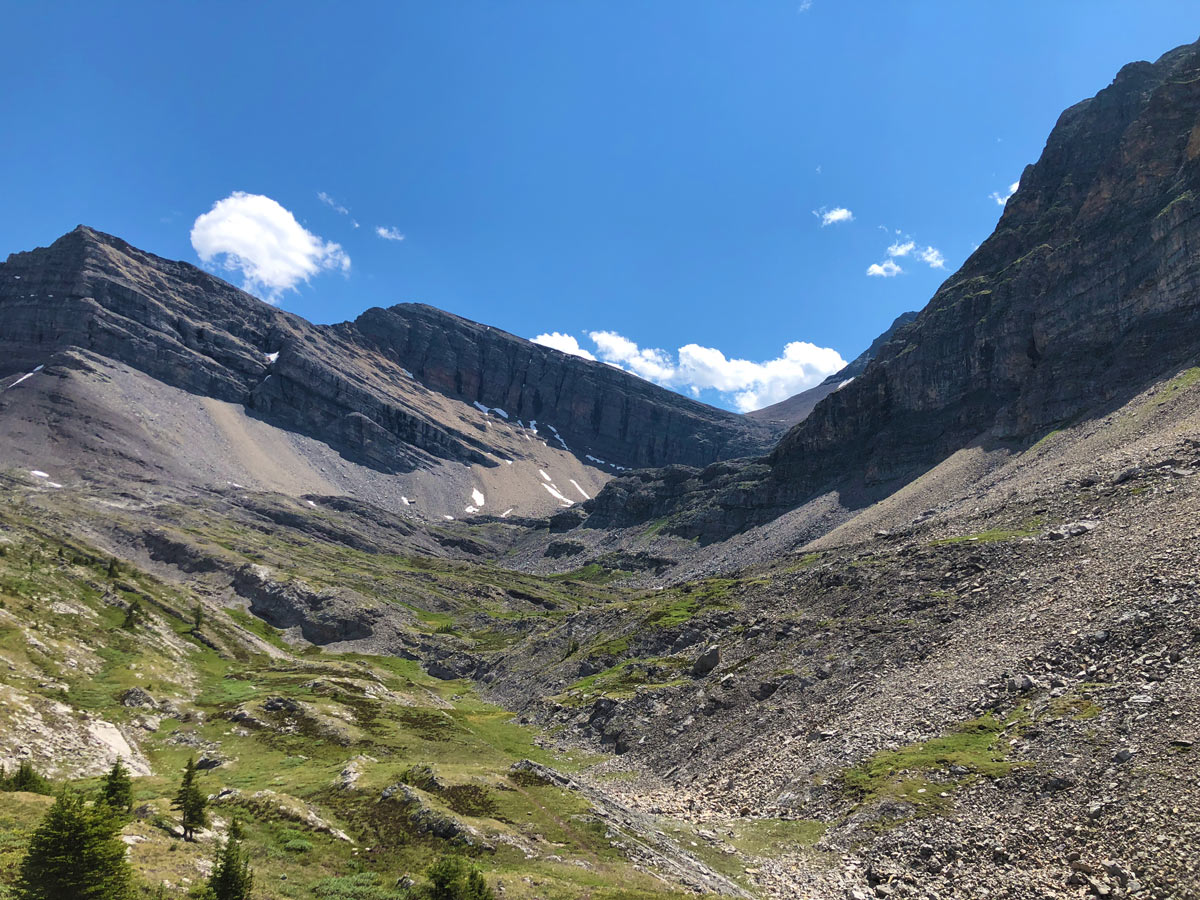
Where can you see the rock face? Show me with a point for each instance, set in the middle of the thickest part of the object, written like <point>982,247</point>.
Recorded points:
<point>796,409</point>
<point>589,406</point>
<point>382,390</point>
<point>1087,291</point>
<point>1087,287</point>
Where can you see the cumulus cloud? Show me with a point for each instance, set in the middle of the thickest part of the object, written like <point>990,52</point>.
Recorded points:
<point>389,233</point>
<point>932,257</point>
<point>254,235</point>
<point>693,369</point>
<point>833,216</point>
<point>1002,199</point>
<point>565,343</point>
<point>885,269</point>
<point>901,248</point>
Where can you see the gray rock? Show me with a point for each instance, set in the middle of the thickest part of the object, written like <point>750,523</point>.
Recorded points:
<point>707,661</point>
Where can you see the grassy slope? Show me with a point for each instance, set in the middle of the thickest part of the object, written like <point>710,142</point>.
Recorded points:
<point>59,593</point>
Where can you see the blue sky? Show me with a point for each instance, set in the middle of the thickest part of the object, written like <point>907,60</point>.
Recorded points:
<point>654,172</point>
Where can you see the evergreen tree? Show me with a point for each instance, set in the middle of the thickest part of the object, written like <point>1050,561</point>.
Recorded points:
<point>75,854</point>
<point>476,888</point>
<point>117,790</point>
<point>26,778</point>
<point>451,879</point>
<point>191,802</point>
<point>197,617</point>
<point>231,877</point>
<point>133,615</point>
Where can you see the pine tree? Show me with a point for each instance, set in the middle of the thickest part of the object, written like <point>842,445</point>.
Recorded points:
<point>133,615</point>
<point>117,790</point>
<point>191,802</point>
<point>75,854</point>
<point>26,778</point>
<point>451,879</point>
<point>231,877</point>
<point>445,879</point>
<point>476,888</point>
<point>197,617</point>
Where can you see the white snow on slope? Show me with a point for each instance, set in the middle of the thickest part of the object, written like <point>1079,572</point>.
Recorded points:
<point>554,492</point>
<point>558,437</point>
<point>489,409</point>
<point>38,473</point>
<point>477,497</point>
<point>542,472</point>
<point>23,377</point>
<point>581,490</point>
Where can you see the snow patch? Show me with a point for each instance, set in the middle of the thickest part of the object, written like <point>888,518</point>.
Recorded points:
<point>581,490</point>
<point>542,472</point>
<point>471,509</point>
<point>558,437</point>
<point>271,357</point>
<point>23,377</point>
<point>477,497</point>
<point>554,492</point>
<point>843,384</point>
<point>310,503</point>
<point>406,372</point>
<point>38,473</point>
<point>489,409</point>
<point>405,501</point>
<point>506,513</point>
<point>601,462</point>
<point>448,518</point>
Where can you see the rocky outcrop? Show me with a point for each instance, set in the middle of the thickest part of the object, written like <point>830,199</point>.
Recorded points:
<point>1087,288</point>
<point>591,407</point>
<point>373,389</point>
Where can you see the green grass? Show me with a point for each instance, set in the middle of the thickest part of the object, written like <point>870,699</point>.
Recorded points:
<point>628,677</point>
<point>771,837</point>
<point>1027,528</point>
<point>974,746</point>
<point>1181,382</point>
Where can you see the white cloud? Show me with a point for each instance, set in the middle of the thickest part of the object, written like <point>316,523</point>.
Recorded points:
<point>335,206</point>
<point>932,257</point>
<point>332,204</point>
<point>906,247</point>
<point>885,269</point>
<point>805,6</point>
<point>1002,199</point>
<point>833,216</point>
<point>565,343</point>
<point>254,235</point>
<point>653,365</point>
<point>694,369</point>
<point>389,233</point>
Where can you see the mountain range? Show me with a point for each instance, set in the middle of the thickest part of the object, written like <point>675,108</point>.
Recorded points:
<point>925,630</point>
